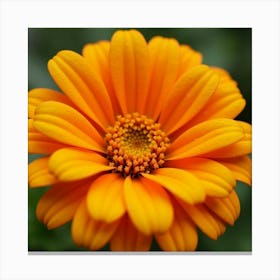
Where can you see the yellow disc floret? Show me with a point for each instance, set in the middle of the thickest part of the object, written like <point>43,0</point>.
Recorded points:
<point>135,144</point>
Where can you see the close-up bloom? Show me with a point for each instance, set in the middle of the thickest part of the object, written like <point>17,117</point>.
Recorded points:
<point>139,144</point>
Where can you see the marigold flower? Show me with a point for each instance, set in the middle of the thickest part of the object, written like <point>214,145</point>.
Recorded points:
<point>140,143</point>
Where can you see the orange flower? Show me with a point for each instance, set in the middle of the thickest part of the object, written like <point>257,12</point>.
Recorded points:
<point>141,144</point>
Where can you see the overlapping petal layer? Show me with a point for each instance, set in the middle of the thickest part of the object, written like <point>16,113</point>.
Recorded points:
<point>38,95</point>
<point>214,177</point>
<point>180,183</point>
<point>73,164</point>
<point>89,233</point>
<point>39,143</point>
<point>98,57</point>
<point>129,65</point>
<point>64,124</point>
<point>128,238</point>
<point>165,63</point>
<point>239,148</point>
<point>59,204</point>
<point>148,205</point>
<point>206,137</point>
<point>182,234</point>
<point>241,167</point>
<point>226,101</point>
<point>39,174</point>
<point>228,208</point>
<point>188,96</point>
<point>208,223</point>
<point>188,59</point>
<point>105,200</point>
<point>83,86</point>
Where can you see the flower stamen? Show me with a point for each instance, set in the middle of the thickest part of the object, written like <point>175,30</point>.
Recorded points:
<point>135,145</point>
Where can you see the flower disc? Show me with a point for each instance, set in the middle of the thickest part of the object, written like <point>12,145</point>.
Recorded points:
<point>136,144</point>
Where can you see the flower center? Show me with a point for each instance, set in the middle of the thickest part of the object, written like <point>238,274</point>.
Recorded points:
<point>135,144</point>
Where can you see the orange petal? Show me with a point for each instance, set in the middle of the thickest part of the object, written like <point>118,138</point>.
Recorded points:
<point>59,204</point>
<point>97,55</point>
<point>64,124</point>
<point>189,58</point>
<point>235,202</point>
<point>188,96</point>
<point>72,164</point>
<point>228,208</point>
<point>165,63</point>
<point>39,174</point>
<point>241,167</point>
<point>148,205</point>
<point>38,95</point>
<point>129,64</point>
<point>203,218</point>
<point>39,143</point>
<point>226,102</point>
<point>105,200</point>
<point>224,74</point>
<point>89,233</point>
<point>216,179</point>
<point>205,137</point>
<point>83,86</point>
<point>239,148</point>
<point>221,225</point>
<point>179,182</point>
<point>128,238</point>
<point>181,236</point>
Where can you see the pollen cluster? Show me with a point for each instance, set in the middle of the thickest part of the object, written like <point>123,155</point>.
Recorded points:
<point>135,144</point>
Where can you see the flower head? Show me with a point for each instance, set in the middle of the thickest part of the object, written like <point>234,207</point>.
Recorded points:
<point>140,143</point>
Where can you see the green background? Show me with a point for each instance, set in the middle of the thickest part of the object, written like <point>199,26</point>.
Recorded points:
<point>229,48</point>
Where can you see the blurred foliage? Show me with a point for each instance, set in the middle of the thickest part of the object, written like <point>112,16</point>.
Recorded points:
<point>229,48</point>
